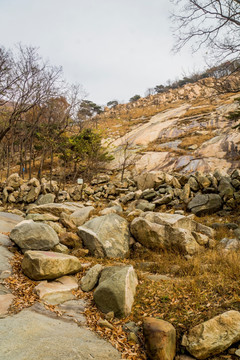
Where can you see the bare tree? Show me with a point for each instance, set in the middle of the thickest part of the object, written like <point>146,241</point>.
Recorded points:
<point>214,24</point>
<point>25,81</point>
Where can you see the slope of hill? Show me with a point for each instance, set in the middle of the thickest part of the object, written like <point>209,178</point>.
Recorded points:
<point>184,130</point>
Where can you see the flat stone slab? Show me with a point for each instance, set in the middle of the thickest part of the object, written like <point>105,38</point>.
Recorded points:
<point>30,335</point>
<point>5,267</point>
<point>57,292</point>
<point>8,221</point>
<point>4,240</point>
<point>5,302</point>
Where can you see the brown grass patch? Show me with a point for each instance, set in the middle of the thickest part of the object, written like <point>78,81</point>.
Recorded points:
<point>198,111</point>
<point>195,140</point>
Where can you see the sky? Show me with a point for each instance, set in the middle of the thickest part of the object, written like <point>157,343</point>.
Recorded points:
<point>113,48</point>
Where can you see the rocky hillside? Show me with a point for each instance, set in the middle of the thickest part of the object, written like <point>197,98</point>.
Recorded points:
<point>183,130</point>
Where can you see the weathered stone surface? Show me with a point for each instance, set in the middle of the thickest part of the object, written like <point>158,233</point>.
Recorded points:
<point>14,181</point>
<point>144,205</point>
<point>70,240</point>
<point>56,209</point>
<point>5,267</point>
<point>160,339</point>
<point>58,291</point>
<point>157,231</point>
<point>213,336</point>
<point>5,301</point>
<point>119,299</point>
<point>67,222</point>
<point>8,221</point>
<point>149,180</point>
<point>60,248</point>
<point>90,280</point>
<point>205,204</point>
<point>79,217</point>
<point>30,235</point>
<point>102,178</point>
<point>42,217</point>
<point>46,199</point>
<point>149,234</point>
<point>106,236</point>
<point>41,337</point>
<point>4,240</point>
<point>33,194</point>
<point>181,240</point>
<point>46,265</point>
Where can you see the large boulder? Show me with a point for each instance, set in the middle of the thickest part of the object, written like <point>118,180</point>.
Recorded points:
<point>213,336</point>
<point>160,339</point>
<point>203,204</point>
<point>106,236</point>
<point>149,234</point>
<point>157,236</point>
<point>30,235</point>
<point>116,290</point>
<point>47,265</point>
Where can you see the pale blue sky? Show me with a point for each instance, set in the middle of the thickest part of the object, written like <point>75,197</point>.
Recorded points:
<point>114,48</point>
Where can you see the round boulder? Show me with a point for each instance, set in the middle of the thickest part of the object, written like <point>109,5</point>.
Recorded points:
<point>30,235</point>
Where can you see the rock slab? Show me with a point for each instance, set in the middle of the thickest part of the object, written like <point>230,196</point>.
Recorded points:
<point>47,265</point>
<point>30,335</point>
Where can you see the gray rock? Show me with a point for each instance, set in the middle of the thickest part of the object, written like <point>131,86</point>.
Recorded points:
<point>33,194</point>
<point>148,234</point>
<point>30,235</point>
<point>79,217</point>
<point>194,186</point>
<point>14,181</point>
<point>4,240</point>
<point>47,265</point>
<point>58,291</point>
<point>90,280</point>
<point>119,299</point>
<point>213,336</point>
<point>205,204</point>
<point>144,205</point>
<point>106,236</point>
<point>46,199</point>
<point>42,217</point>
<point>40,337</point>
<point>9,221</point>
<point>5,267</point>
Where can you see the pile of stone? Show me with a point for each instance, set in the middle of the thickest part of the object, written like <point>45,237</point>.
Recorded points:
<point>199,193</point>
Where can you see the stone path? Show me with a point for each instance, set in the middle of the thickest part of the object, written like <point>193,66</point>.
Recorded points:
<point>39,334</point>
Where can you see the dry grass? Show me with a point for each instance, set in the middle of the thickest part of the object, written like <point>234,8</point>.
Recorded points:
<point>128,118</point>
<point>195,140</point>
<point>198,111</point>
